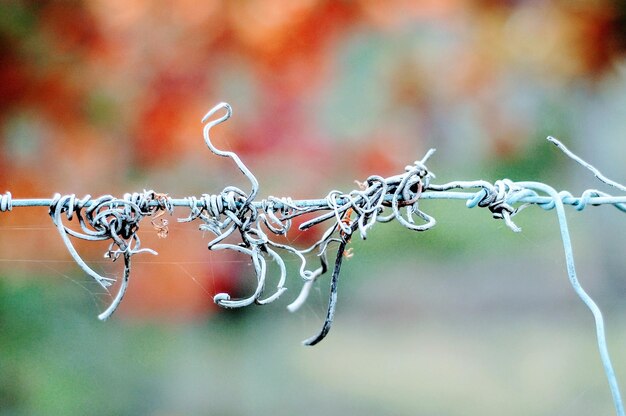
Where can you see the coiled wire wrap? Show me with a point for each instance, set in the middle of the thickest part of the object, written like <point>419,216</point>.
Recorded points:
<point>107,218</point>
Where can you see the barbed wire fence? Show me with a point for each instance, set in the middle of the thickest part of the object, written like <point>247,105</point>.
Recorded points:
<point>257,225</point>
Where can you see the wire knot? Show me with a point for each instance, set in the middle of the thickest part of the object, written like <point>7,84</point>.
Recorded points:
<point>498,199</point>
<point>105,218</point>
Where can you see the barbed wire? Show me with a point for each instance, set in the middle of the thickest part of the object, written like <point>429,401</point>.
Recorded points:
<point>234,214</point>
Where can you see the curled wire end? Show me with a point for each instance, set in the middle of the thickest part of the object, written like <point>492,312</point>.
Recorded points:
<point>302,297</point>
<point>6,202</point>
<point>218,107</point>
<point>224,299</point>
<point>220,298</point>
<point>209,124</point>
<point>310,277</point>
<point>260,268</point>
<point>427,156</point>
<point>506,216</point>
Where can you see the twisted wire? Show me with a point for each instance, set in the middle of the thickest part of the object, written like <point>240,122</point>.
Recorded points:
<point>107,218</point>
<point>241,224</point>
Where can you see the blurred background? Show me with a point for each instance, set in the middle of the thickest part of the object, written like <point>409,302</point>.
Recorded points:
<point>467,319</point>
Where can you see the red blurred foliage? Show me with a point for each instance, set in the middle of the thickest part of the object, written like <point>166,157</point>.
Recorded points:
<point>14,80</point>
<point>72,27</point>
<point>601,35</point>
<point>156,132</point>
<point>286,40</point>
<point>380,157</point>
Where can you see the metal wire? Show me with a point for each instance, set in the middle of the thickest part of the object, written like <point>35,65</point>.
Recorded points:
<point>236,214</point>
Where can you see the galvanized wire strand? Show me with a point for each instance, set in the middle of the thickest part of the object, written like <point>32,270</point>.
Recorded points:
<point>434,191</point>
<point>584,296</point>
<point>242,224</point>
<point>571,270</point>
